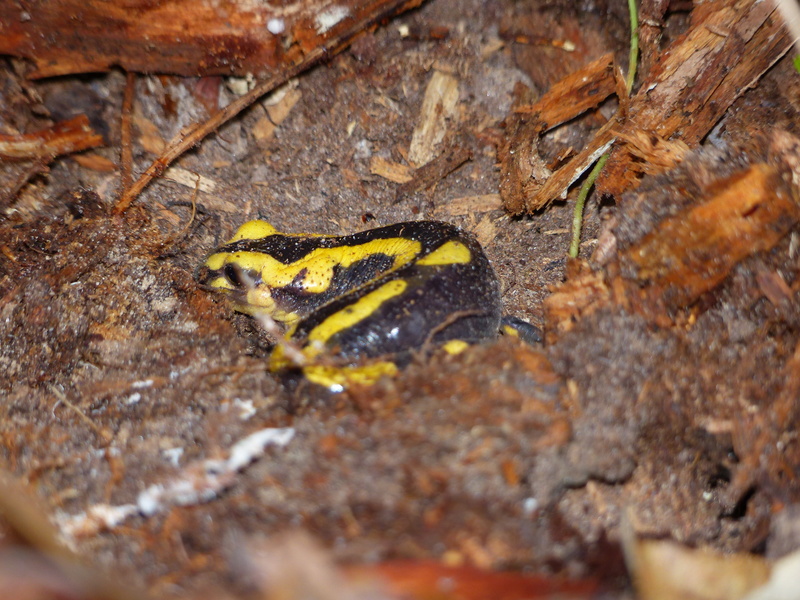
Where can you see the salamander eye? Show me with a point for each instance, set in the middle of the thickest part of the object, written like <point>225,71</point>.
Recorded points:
<point>237,276</point>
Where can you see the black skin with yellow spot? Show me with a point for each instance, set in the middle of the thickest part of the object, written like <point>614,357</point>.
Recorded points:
<point>292,248</point>
<point>441,303</point>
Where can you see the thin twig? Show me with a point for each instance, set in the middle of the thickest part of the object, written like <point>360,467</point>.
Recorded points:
<point>193,134</point>
<point>94,427</point>
<point>126,137</point>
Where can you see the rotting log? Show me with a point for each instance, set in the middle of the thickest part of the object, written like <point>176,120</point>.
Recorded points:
<point>182,37</point>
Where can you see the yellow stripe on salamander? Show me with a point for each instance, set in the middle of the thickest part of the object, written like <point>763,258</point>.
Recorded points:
<point>455,346</point>
<point>253,230</point>
<point>318,264</point>
<point>338,321</point>
<point>449,253</point>
<point>337,379</point>
<point>356,312</point>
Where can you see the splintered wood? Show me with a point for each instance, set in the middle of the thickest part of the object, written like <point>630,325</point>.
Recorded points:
<point>526,182</point>
<point>693,252</point>
<point>65,137</point>
<point>179,36</point>
<point>730,44</point>
<point>727,49</point>
<point>438,107</point>
<point>688,254</point>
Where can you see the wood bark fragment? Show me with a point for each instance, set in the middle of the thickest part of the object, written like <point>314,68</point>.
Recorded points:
<point>580,295</point>
<point>729,46</point>
<point>65,137</point>
<point>396,172</point>
<point>277,106</point>
<point>467,205</point>
<point>681,238</point>
<point>183,37</point>
<point>95,162</point>
<point>438,108</point>
<point>694,251</point>
<point>526,183</point>
<point>434,171</point>
<point>584,89</point>
<point>727,49</point>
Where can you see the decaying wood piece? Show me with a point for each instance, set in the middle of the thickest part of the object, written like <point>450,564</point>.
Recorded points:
<point>65,137</point>
<point>558,184</point>
<point>727,49</point>
<point>523,172</point>
<point>582,90</point>
<point>184,37</point>
<point>666,262</point>
<point>33,152</point>
<point>651,25</point>
<point>432,172</point>
<point>729,46</point>
<point>390,170</point>
<point>438,108</point>
<point>583,292</point>
<point>467,205</point>
<point>694,251</point>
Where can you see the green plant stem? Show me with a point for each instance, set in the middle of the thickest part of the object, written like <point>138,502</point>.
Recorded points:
<point>633,57</point>
<point>577,214</point>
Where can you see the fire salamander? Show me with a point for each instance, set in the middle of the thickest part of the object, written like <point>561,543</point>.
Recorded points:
<point>379,294</point>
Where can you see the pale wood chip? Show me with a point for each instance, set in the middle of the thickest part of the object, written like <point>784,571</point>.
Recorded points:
<point>95,162</point>
<point>438,107</point>
<point>390,170</point>
<point>190,179</point>
<point>263,129</point>
<point>279,111</point>
<point>150,137</point>
<point>485,231</point>
<point>278,106</point>
<point>466,205</point>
